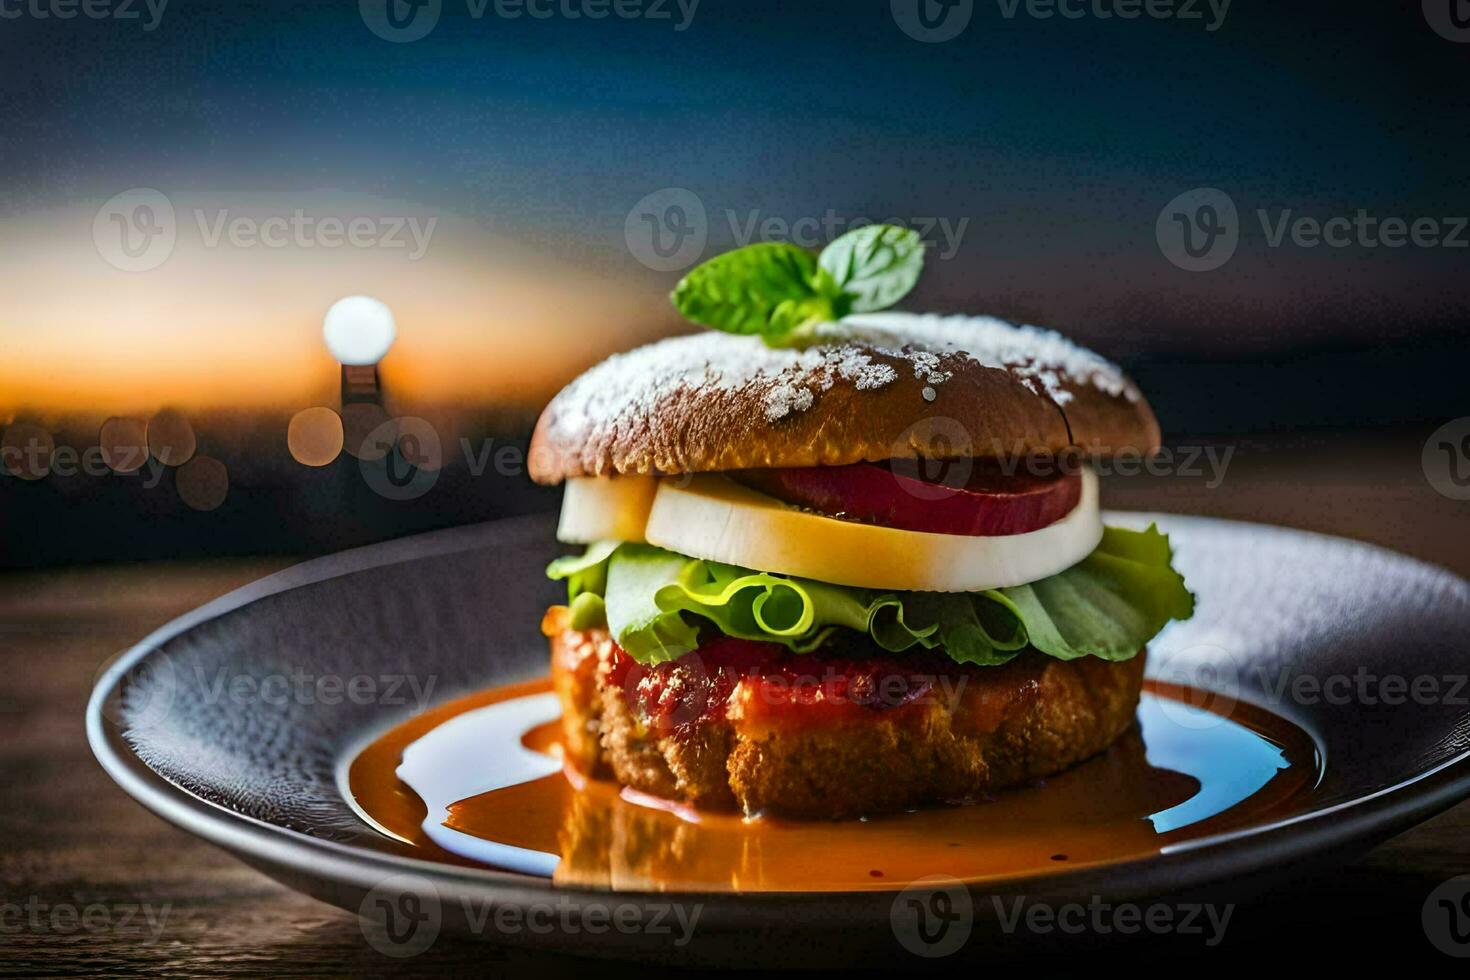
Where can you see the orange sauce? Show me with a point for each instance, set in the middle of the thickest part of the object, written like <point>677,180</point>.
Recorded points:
<point>1116,806</point>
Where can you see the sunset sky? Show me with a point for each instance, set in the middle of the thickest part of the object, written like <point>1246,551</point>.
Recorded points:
<point>529,141</point>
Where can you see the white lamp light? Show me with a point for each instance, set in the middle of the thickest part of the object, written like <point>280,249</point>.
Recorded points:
<point>359,330</point>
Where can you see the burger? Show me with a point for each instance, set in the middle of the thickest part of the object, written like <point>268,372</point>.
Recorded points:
<point>839,560</point>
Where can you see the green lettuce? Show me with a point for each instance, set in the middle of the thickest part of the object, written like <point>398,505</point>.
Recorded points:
<point>654,602</point>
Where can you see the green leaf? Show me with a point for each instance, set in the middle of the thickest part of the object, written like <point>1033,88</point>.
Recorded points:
<point>767,289</point>
<point>875,266</point>
<point>586,572</point>
<point>1109,605</point>
<point>587,611</point>
<point>635,574</point>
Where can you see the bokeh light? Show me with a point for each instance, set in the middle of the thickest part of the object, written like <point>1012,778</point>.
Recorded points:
<point>315,436</point>
<point>203,483</point>
<point>359,420</point>
<point>359,330</point>
<point>171,438</point>
<point>26,450</point>
<point>124,442</point>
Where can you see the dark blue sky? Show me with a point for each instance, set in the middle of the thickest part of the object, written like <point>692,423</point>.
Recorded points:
<point>1059,140</point>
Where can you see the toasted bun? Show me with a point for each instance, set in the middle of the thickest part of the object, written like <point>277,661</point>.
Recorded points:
<point>874,387</point>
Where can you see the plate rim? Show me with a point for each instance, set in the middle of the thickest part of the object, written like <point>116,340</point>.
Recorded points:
<point>1191,864</point>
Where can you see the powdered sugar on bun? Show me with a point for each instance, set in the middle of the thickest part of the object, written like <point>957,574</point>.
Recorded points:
<point>716,401</point>
<point>1053,361</point>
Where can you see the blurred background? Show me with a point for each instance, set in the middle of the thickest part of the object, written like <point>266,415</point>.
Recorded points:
<point>1257,209</point>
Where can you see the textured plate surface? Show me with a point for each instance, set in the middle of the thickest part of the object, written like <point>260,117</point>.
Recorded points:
<point>232,722</point>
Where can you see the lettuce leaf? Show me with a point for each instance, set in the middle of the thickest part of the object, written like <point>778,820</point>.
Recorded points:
<point>1109,605</point>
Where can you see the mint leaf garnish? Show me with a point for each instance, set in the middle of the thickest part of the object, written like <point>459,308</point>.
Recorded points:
<point>876,265</point>
<point>768,289</point>
<point>778,290</point>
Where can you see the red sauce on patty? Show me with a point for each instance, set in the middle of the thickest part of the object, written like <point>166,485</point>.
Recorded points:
<point>765,685</point>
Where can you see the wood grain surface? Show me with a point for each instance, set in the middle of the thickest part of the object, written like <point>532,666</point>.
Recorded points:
<point>90,882</point>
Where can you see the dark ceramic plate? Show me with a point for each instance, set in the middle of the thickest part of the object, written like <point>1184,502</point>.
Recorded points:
<point>221,723</point>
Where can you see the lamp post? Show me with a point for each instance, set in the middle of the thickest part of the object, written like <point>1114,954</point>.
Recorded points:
<point>358,330</point>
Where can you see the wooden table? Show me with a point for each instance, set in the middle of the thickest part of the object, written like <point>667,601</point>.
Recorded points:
<point>80,862</point>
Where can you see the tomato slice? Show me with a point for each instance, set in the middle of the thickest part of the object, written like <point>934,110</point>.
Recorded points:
<point>972,497</point>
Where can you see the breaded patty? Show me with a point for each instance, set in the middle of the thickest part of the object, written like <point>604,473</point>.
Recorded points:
<point>840,733</point>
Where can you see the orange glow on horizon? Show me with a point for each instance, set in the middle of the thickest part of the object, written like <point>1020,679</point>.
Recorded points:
<point>480,322</point>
